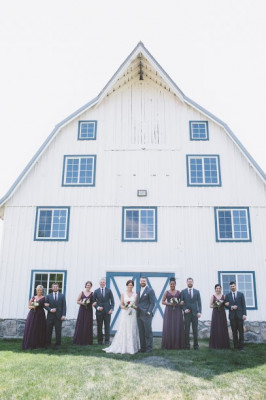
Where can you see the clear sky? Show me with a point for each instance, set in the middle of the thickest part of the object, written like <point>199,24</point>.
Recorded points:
<point>56,55</point>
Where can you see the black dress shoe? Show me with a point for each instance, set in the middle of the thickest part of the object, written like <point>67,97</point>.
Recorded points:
<point>141,351</point>
<point>196,347</point>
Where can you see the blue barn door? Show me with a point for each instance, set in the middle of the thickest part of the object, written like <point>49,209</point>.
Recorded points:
<point>116,281</point>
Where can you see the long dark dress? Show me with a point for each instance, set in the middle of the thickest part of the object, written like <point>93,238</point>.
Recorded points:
<point>173,326</point>
<point>35,328</point>
<point>84,326</point>
<point>219,337</point>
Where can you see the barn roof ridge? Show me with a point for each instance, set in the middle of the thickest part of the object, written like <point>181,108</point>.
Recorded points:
<point>138,48</point>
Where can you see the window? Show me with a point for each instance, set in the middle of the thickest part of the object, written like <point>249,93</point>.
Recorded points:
<point>203,170</point>
<point>52,223</point>
<point>87,130</point>
<point>139,224</point>
<point>232,224</point>
<point>199,130</point>
<point>79,171</point>
<point>245,283</point>
<point>47,278</point>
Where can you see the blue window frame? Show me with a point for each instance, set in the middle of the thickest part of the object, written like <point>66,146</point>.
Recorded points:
<point>199,130</point>
<point>79,170</point>
<point>232,224</point>
<point>46,278</point>
<point>139,224</point>
<point>52,223</point>
<point>245,283</point>
<point>203,170</point>
<point>87,130</point>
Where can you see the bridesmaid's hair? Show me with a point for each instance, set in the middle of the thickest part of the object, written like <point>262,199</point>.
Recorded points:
<point>217,284</point>
<point>87,283</point>
<point>129,281</point>
<point>172,280</point>
<point>39,287</point>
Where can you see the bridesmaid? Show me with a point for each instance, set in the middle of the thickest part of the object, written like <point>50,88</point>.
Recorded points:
<point>84,326</point>
<point>173,326</point>
<point>35,327</point>
<point>219,337</point>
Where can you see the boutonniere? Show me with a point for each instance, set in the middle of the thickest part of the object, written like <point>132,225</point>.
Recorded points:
<point>145,294</point>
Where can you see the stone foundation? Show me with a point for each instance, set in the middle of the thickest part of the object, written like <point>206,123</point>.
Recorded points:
<point>255,332</point>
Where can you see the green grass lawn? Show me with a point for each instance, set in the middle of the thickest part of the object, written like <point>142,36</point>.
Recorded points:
<point>77,372</point>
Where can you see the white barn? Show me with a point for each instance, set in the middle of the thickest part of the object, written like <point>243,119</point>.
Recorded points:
<point>139,181</point>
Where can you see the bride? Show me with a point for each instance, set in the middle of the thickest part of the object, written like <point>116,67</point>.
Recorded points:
<point>126,339</point>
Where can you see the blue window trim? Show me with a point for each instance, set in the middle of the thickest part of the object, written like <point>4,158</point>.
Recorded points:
<point>79,156</point>
<point>95,129</point>
<point>216,225</point>
<point>188,156</point>
<point>238,273</point>
<point>139,208</point>
<point>36,224</point>
<point>136,277</point>
<point>45,271</point>
<point>199,122</point>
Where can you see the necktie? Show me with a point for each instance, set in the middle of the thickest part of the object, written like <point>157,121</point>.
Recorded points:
<point>190,293</point>
<point>55,296</point>
<point>234,295</point>
<point>102,292</point>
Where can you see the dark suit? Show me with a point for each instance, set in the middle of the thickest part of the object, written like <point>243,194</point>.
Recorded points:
<point>236,317</point>
<point>194,305</point>
<point>54,319</point>
<point>107,302</point>
<point>146,304</point>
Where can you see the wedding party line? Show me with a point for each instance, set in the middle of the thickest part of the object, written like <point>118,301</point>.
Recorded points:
<point>134,334</point>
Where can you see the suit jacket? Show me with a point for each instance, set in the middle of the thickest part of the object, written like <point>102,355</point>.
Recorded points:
<point>107,302</point>
<point>194,303</point>
<point>240,303</point>
<point>146,302</point>
<point>60,305</point>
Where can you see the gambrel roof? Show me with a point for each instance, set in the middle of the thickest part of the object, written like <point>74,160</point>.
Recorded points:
<point>140,62</point>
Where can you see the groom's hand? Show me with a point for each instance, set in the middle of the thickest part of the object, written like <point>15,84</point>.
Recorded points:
<point>187,311</point>
<point>198,315</point>
<point>110,312</point>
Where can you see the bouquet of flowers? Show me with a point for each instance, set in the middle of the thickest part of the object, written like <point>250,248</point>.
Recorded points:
<point>218,304</point>
<point>34,303</point>
<point>85,302</point>
<point>175,301</point>
<point>130,306</point>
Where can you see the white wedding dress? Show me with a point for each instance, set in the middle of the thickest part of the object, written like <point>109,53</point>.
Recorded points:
<point>126,339</point>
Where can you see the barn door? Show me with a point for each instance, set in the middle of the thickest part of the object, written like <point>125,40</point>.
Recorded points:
<point>116,281</point>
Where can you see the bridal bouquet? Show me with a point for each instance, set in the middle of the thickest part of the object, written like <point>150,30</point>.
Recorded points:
<point>175,301</point>
<point>34,304</point>
<point>130,306</point>
<point>85,302</point>
<point>218,304</point>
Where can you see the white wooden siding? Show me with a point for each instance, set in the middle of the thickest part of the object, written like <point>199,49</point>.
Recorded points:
<point>142,142</point>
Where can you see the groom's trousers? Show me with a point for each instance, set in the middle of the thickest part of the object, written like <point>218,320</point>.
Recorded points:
<point>145,331</point>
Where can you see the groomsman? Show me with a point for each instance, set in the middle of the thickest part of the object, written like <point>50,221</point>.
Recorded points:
<point>192,312</point>
<point>235,301</point>
<point>146,304</point>
<point>56,314</point>
<point>104,299</point>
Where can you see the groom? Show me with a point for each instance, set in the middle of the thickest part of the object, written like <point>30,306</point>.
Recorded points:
<point>146,303</point>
